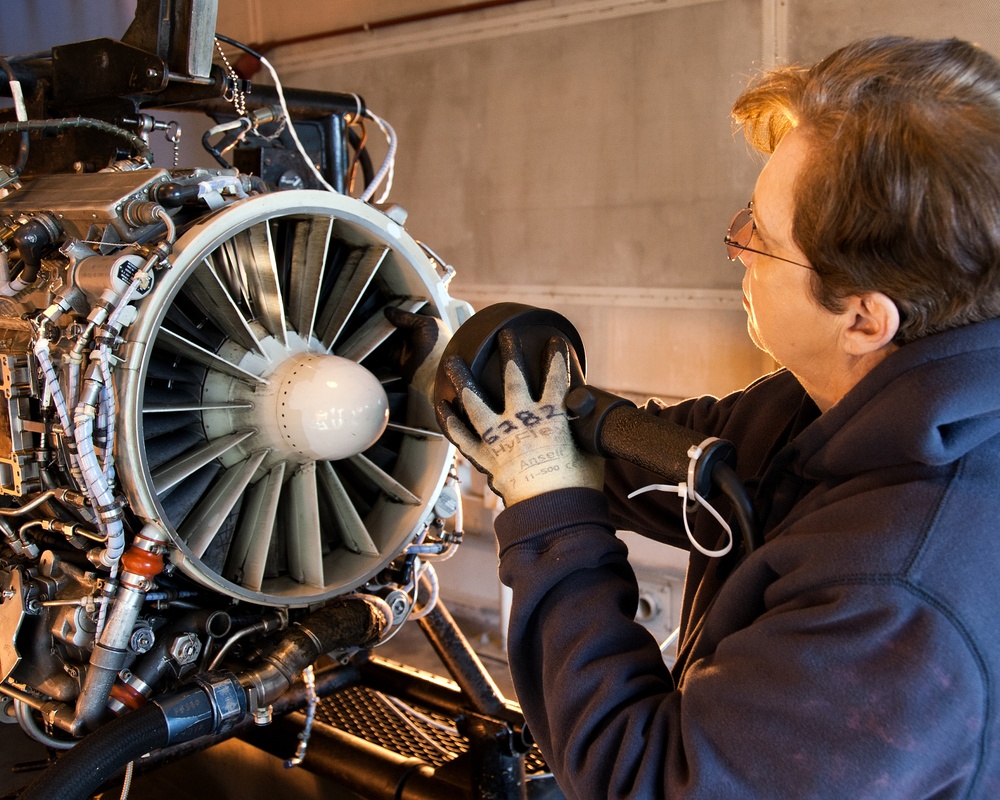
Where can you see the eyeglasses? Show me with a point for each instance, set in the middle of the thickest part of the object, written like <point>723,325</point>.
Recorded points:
<point>740,234</point>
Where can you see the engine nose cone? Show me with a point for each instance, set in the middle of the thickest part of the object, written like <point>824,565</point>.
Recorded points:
<point>328,407</point>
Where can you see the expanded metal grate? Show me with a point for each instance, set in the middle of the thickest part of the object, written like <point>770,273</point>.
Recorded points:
<point>403,728</point>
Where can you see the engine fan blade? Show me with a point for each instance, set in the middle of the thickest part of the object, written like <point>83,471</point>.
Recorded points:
<point>191,461</point>
<point>176,343</point>
<point>354,278</point>
<point>309,252</point>
<point>207,519</point>
<point>305,548</point>
<point>385,481</point>
<point>248,555</point>
<point>352,528</point>
<point>207,291</point>
<point>375,331</point>
<point>256,256</point>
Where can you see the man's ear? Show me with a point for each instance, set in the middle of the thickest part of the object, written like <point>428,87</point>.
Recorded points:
<point>871,321</point>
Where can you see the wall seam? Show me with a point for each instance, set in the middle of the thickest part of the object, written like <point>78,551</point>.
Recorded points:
<point>605,296</point>
<point>774,32</point>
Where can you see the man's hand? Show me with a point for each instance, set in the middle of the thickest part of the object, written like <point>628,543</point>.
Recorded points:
<point>425,340</point>
<point>527,449</point>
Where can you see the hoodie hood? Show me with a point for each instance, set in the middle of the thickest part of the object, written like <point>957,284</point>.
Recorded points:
<point>929,402</point>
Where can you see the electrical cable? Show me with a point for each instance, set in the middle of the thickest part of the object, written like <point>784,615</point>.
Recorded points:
<point>312,700</point>
<point>357,141</point>
<point>127,785</point>
<point>431,574</point>
<point>25,126</point>
<point>361,155</point>
<point>385,172</point>
<point>729,483</point>
<point>387,169</point>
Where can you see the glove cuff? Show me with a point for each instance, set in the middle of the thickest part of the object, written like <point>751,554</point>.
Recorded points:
<point>555,512</point>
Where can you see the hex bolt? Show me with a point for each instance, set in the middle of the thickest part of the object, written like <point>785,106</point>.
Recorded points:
<point>142,640</point>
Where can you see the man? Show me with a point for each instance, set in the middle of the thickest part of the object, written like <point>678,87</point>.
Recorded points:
<point>856,653</point>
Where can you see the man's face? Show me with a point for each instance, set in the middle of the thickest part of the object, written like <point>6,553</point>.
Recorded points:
<point>783,318</point>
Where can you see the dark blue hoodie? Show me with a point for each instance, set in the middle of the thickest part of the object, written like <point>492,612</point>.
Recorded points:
<point>856,654</point>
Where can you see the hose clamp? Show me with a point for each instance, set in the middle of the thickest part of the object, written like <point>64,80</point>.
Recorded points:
<point>228,698</point>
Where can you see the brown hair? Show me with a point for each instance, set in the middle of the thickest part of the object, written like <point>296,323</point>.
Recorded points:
<point>901,190</point>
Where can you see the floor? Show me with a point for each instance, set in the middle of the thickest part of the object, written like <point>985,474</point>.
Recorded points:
<point>235,769</point>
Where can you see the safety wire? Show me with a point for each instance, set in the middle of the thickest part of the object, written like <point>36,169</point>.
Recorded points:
<point>311,701</point>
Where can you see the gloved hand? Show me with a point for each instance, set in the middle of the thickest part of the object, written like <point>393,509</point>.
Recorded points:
<point>425,340</point>
<point>527,449</point>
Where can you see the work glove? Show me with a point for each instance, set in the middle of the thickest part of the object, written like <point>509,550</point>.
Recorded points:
<point>425,338</point>
<point>527,449</point>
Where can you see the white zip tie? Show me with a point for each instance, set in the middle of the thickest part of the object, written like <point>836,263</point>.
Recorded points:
<point>687,492</point>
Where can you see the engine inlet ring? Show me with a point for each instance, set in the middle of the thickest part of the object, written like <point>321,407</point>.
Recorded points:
<point>282,276</point>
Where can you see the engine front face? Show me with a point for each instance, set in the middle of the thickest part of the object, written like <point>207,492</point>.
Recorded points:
<point>257,369</point>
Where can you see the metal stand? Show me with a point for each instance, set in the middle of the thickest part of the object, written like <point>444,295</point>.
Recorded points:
<point>359,741</point>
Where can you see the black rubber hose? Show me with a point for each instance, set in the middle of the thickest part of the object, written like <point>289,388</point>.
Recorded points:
<point>660,446</point>
<point>100,756</point>
<point>214,151</point>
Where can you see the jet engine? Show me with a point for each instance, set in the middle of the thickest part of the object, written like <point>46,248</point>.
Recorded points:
<point>213,458</point>
<point>221,387</point>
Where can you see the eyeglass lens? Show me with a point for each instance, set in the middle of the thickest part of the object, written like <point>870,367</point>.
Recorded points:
<point>740,233</point>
